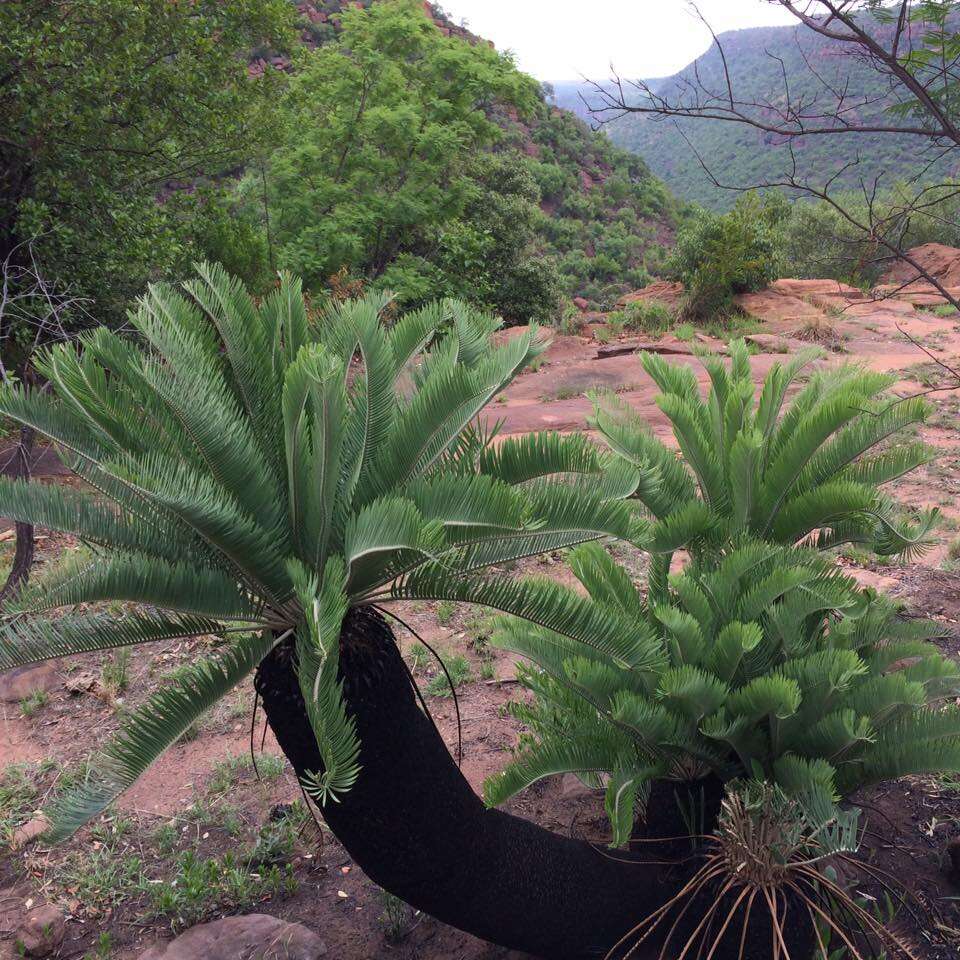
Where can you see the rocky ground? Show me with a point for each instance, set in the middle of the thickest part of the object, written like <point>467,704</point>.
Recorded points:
<point>205,834</point>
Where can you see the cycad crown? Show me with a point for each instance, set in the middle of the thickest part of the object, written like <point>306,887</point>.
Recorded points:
<point>769,664</point>
<point>256,472</point>
<point>763,467</point>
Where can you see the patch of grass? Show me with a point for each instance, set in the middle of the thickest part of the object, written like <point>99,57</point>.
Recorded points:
<point>564,393</point>
<point>926,374</point>
<point>277,838</point>
<point>458,666</point>
<point>165,838</point>
<point>227,772</point>
<point>685,332</point>
<point>419,656</point>
<point>395,918</point>
<point>953,550</point>
<point>943,310</point>
<point>102,877</point>
<point>102,949</point>
<point>445,612</point>
<point>201,889</point>
<point>602,335</point>
<point>30,706</point>
<point>535,364</point>
<point>115,673</point>
<point>650,317</point>
<point>570,322</point>
<point>18,795</point>
<point>486,670</point>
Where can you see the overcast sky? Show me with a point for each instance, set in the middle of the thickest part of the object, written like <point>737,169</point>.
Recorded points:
<point>564,39</point>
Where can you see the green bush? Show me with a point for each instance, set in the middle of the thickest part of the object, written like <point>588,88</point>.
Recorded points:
<point>651,317</point>
<point>717,256</point>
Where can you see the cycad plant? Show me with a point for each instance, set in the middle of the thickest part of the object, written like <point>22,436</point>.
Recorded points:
<point>768,664</point>
<point>777,468</point>
<point>257,475</point>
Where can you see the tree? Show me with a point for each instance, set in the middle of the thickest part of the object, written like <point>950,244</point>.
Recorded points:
<point>379,167</point>
<point>108,106</point>
<point>912,46</point>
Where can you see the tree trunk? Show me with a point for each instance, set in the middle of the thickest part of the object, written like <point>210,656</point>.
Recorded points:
<point>416,828</point>
<point>23,557</point>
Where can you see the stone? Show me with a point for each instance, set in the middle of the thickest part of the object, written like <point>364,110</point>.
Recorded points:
<point>666,291</point>
<point>669,346</point>
<point>940,261</point>
<point>41,933</point>
<point>17,684</point>
<point>582,305</point>
<point>820,288</point>
<point>81,683</point>
<point>772,307</point>
<point>29,832</point>
<point>253,937</point>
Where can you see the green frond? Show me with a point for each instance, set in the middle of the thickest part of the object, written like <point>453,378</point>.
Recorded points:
<point>318,656</point>
<point>26,640</point>
<point>581,752</point>
<point>536,455</point>
<point>72,511</point>
<point>605,580</point>
<point>150,730</point>
<point>544,603</point>
<point>137,579</point>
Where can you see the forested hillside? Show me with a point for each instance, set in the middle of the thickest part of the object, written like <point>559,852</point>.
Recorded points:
<point>538,206</point>
<point>758,59</point>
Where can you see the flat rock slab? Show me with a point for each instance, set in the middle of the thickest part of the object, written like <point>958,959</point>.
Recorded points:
<point>669,346</point>
<point>17,684</point>
<point>254,937</point>
<point>779,308</point>
<point>809,288</point>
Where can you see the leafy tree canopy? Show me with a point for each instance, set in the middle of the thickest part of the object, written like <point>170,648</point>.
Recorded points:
<point>379,159</point>
<point>106,104</point>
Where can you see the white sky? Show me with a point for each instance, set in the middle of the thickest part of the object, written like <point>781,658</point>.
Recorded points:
<point>563,39</point>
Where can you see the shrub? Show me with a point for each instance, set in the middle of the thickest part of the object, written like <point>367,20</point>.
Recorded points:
<point>651,317</point>
<point>266,494</point>
<point>717,256</point>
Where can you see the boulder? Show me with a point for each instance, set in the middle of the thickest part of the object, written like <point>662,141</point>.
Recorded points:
<point>581,304</point>
<point>815,288</point>
<point>28,832</point>
<point>771,306</point>
<point>41,933</point>
<point>253,937</point>
<point>668,345</point>
<point>666,291</point>
<point>940,261</point>
<point>17,684</point>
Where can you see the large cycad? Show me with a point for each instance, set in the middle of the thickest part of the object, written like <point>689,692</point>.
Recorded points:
<point>256,474</point>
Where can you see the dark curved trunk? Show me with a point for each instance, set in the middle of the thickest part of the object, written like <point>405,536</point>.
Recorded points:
<point>416,828</point>
<point>26,544</point>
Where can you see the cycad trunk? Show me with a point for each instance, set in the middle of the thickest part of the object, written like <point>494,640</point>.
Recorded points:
<point>416,828</point>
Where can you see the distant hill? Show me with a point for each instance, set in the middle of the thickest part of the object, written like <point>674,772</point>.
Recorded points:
<point>742,154</point>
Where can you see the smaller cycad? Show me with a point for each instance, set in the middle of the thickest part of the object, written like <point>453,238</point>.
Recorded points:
<point>754,464</point>
<point>768,664</point>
